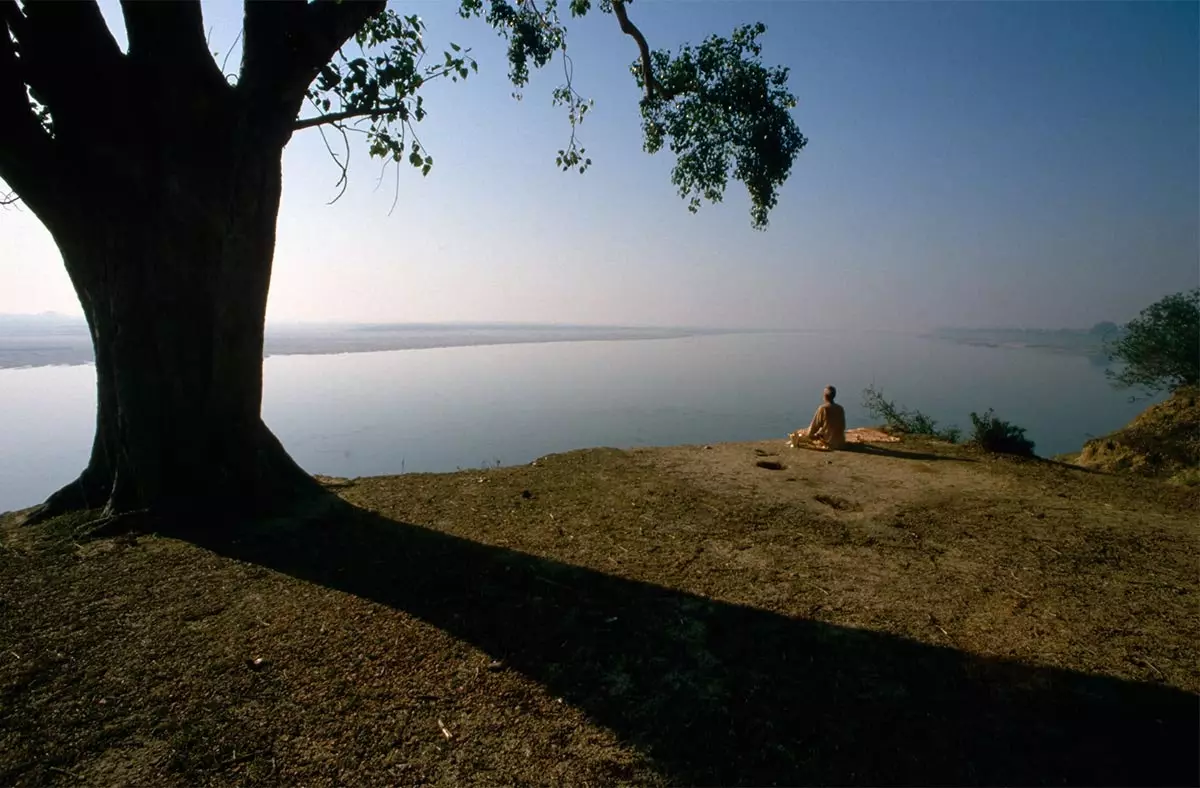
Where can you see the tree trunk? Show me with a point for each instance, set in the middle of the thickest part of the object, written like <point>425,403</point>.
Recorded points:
<point>161,188</point>
<point>94,486</point>
<point>173,271</point>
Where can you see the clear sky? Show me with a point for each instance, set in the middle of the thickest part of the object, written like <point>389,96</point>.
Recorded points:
<point>970,163</point>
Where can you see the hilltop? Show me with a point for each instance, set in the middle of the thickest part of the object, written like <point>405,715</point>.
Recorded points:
<point>1161,442</point>
<point>909,612</point>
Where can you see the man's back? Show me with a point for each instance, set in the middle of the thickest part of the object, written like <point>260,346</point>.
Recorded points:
<point>829,425</point>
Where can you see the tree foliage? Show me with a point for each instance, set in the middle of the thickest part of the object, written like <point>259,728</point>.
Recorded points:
<point>715,105</point>
<point>360,67</point>
<point>720,110</point>
<point>1160,348</point>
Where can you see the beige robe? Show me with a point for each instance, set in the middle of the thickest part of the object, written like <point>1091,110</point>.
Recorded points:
<point>828,425</point>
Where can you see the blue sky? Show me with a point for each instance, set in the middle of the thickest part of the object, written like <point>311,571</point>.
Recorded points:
<point>970,163</point>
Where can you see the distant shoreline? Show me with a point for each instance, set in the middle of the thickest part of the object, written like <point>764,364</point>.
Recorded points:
<point>1078,342</point>
<point>28,341</point>
<point>61,342</point>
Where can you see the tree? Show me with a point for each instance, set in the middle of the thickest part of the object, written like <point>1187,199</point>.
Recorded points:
<point>1160,348</point>
<point>159,179</point>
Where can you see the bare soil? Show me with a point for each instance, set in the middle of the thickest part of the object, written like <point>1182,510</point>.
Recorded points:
<point>1163,442</point>
<point>901,613</point>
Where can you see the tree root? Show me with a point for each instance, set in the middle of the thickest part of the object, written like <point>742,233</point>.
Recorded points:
<point>83,494</point>
<point>105,502</point>
<point>115,524</point>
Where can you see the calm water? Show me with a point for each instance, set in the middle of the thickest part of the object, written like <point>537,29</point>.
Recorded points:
<point>440,409</point>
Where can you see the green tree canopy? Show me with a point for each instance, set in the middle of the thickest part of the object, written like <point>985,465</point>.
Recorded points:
<point>714,105</point>
<point>1160,348</point>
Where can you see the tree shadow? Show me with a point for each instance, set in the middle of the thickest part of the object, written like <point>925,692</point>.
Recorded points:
<point>723,694</point>
<point>869,448</point>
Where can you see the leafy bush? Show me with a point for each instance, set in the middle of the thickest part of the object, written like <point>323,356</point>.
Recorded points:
<point>899,419</point>
<point>999,436</point>
<point>1160,348</point>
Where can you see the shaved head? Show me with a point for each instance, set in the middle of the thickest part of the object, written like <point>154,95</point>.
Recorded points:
<point>830,392</point>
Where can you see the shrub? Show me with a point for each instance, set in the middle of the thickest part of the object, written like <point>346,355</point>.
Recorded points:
<point>899,419</point>
<point>1160,348</point>
<point>999,436</point>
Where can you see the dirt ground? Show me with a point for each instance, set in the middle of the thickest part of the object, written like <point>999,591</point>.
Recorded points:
<point>902,613</point>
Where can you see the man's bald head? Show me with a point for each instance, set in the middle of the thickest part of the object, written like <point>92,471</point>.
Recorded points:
<point>830,393</point>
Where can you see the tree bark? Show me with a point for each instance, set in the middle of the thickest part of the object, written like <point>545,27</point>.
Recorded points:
<point>93,489</point>
<point>162,195</point>
<point>173,269</point>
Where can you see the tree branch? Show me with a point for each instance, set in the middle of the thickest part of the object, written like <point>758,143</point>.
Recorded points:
<point>287,44</point>
<point>338,117</point>
<point>170,35</point>
<point>78,25</point>
<point>330,24</point>
<point>29,163</point>
<point>269,30</point>
<point>43,32</point>
<point>653,88</point>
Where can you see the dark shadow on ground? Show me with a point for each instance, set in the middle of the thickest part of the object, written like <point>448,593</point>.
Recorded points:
<point>1070,466</point>
<point>870,448</point>
<point>722,694</point>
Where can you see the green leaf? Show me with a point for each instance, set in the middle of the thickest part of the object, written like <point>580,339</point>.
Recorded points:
<point>724,114</point>
<point>720,111</point>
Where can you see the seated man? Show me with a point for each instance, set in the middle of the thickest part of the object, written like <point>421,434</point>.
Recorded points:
<point>828,427</point>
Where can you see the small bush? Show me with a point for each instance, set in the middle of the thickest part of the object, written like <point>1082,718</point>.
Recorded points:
<point>898,419</point>
<point>999,436</point>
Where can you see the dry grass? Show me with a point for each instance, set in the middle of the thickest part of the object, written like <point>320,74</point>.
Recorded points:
<point>909,613</point>
<point>1163,441</point>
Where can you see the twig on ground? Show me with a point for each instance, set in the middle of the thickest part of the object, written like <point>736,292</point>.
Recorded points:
<point>553,583</point>
<point>236,759</point>
<point>933,620</point>
<point>1150,665</point>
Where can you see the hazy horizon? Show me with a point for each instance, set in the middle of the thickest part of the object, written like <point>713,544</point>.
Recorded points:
<point>78,318</point>
<point>971,165</point>
<point>56,339</point>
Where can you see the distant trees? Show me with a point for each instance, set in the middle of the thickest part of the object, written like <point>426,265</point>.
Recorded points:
<point>1160,348</point>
